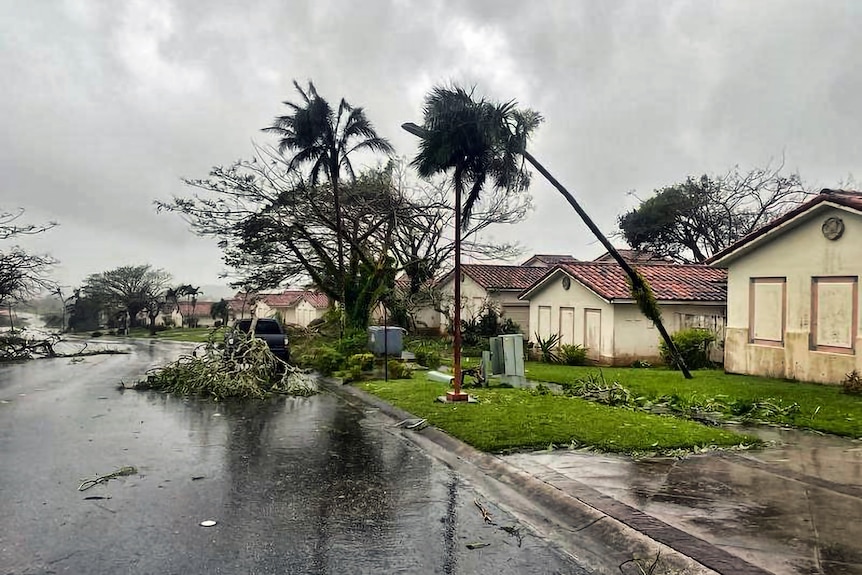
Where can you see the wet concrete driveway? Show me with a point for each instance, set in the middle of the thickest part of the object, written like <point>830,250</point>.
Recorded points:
<point>794,507</point>
<point>296,485</point>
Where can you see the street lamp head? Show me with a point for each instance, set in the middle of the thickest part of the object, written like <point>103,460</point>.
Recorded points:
<point>414,129</point>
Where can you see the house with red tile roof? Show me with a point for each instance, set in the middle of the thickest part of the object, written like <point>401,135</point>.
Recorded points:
<point>548,260</point>
<point>299,307</point>
<point>589,304</point>
<point>495,285</point>
<point>793,293</point>
<point>635,257</point>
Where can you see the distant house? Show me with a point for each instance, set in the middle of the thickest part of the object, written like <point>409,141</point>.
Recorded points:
<point>793,293</point>
<point>199,313</point>
<point>299,307</point>
<point>496,285</point>
<point>545,260</point>
<point>179,315</point>
<point>635,257</point>
<point>589,304</point>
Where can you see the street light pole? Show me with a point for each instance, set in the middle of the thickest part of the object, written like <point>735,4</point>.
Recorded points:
<point>456,394</point>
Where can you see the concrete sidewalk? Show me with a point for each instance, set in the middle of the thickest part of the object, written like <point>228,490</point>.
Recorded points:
<point>792,508</point>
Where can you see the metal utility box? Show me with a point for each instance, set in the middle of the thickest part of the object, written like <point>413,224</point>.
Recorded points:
<point>513,354</point>
<point>497,361</point>
<point>385,340</point>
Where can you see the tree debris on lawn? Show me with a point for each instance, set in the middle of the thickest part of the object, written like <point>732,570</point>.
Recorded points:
<point>711,410</point>
<point>248,370</point>
<point>121,472</point>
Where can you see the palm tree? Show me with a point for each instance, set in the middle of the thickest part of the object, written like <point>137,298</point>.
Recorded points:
<point>478,139</point>
<point>326,139</point>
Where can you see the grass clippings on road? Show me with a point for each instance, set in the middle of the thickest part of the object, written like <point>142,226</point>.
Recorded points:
<point>821,407</point>
<point>508,419</point>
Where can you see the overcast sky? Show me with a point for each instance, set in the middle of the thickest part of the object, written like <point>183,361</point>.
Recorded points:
<point>106,105</point>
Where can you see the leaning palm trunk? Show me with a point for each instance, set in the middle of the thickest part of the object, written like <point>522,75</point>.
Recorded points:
<point>639,287</point>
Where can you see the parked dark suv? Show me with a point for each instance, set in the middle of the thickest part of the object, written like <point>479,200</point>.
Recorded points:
<point>270,331</point>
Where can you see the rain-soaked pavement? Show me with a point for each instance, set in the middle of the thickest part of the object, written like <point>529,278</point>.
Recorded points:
<point>296,485</point>
<point>794,507</point>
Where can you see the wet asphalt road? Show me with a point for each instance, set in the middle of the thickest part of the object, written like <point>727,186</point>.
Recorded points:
<point>296,485</point>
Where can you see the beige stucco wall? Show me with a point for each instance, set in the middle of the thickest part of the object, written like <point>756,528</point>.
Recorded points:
<point>580,298</point>
<point>635,337</point>
<point>305,313</point>
<point>474,296</point>
<point>797,254</point>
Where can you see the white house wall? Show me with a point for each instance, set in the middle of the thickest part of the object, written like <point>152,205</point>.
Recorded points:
<point>304,313</point>
<point>580,298</point>
<point>635,337</point>
<point>474,296</point>
<point>797,255</point>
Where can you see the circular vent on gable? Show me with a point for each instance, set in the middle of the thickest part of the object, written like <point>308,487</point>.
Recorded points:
<point>567,283</point>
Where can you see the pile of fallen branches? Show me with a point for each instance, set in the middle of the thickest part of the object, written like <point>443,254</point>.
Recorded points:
<point>15,346</point>
<point>248,369</point>
<point>20,346</point>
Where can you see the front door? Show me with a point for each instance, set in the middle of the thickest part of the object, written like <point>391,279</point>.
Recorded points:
<point>593,333</point>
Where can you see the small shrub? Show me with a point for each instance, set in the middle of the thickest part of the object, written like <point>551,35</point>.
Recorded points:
<point>639,363</point>
<point>430,358</point>
<point>218,323</point>
<point>361,361</point>
<point>693,345</point>
<point>548,348</point>
<point>96,334</point>
<point>326,359</point>
<point>852,383</point>
<point>353,342</point>
<point>541,389</point>
<point>398,370</point>
<point>573,354</point>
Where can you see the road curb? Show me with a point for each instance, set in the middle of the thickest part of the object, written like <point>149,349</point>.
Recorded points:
<point>608,531</point>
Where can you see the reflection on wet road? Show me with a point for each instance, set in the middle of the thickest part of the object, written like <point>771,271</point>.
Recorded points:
<point>296,485</point>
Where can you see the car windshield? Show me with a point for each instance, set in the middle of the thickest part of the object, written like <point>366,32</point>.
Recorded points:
<point>263,327</point>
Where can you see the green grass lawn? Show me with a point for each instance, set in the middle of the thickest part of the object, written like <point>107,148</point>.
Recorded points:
<point>511,419</point>
<point>822,407</point>
<point>190,334</point>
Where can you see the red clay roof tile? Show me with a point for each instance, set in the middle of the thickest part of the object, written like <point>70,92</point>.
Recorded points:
<point>669,282</point>
<point>493,277</point>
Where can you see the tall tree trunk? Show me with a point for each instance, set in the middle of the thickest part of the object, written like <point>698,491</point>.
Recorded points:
<point>336,203</point>
<point>456,331</point>
<point>636,280</point>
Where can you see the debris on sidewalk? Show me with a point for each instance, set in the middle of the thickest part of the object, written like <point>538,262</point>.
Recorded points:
<point>208,523</point>
<point>472,546</point>
<point>413,424</point>
<point>485,514</point>
<point>121,472</point>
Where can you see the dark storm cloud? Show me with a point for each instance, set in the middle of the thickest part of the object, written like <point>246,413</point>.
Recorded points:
<point>107,105</point>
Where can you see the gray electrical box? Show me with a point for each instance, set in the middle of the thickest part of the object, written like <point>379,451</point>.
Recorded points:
<point>385,340</point>
<point>513,354</point>
<point>497,361</point>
